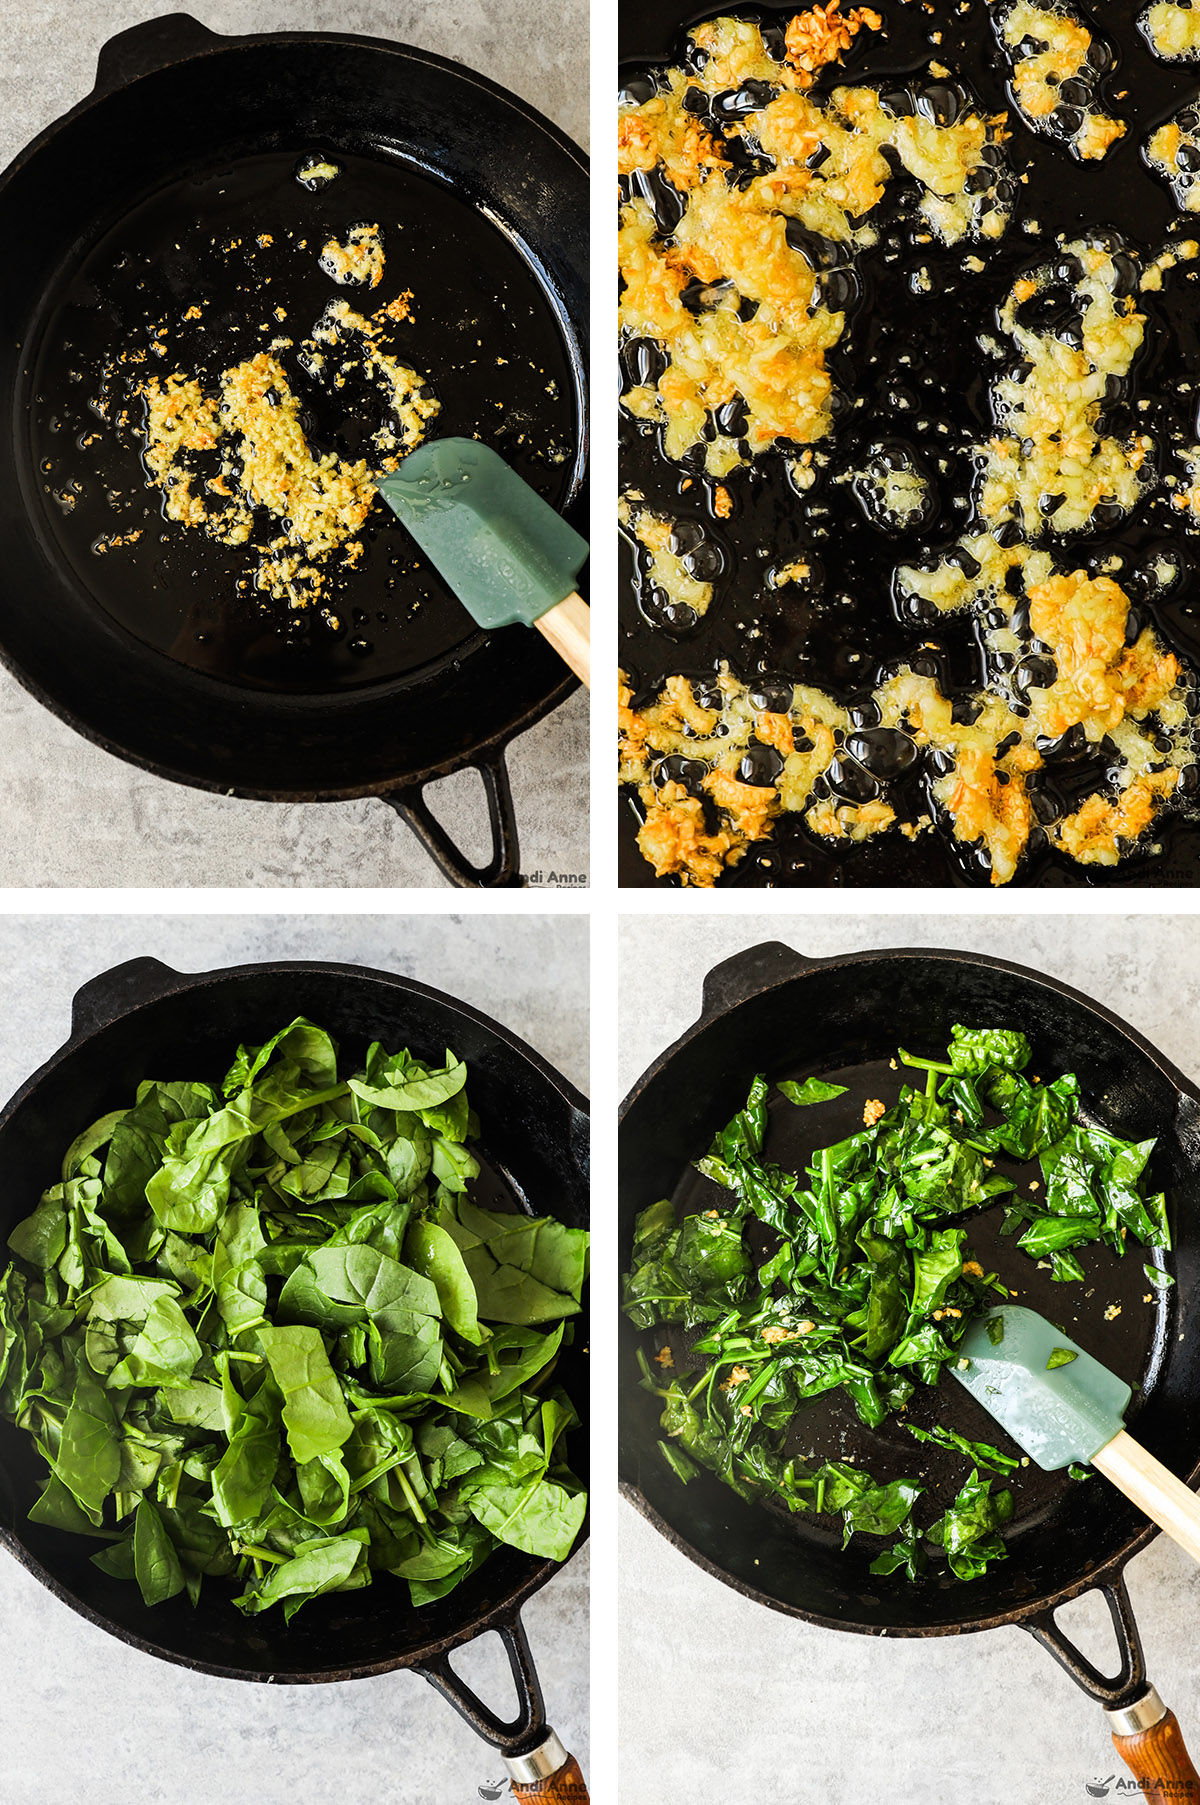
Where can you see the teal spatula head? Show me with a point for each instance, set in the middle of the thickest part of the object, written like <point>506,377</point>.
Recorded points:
<point>503,550</point>
<point>1058,1410</point>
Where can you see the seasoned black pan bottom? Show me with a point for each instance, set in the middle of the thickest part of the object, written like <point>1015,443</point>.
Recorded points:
<point>1116,1314</point>
<point>481,331</point>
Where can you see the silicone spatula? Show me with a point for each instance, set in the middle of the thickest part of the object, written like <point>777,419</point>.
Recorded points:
<point>503,550</point>
<point>1061,1405</point>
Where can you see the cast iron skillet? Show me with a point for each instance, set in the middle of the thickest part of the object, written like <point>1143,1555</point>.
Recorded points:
<point>147,651</point>
<point>772,1009</point>
<point>144,1020</point>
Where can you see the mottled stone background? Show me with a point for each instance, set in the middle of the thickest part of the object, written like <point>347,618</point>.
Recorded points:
<point>73,815</point>
<point>86,1720</point>
<point>744,1704</point>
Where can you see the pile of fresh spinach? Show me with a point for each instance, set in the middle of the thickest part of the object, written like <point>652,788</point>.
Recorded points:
<point>261,1332</point>
<point>871,1283</point>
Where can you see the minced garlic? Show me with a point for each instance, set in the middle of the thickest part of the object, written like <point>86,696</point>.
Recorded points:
<point>665,568</point>
<point>359,261</point>
<point>759,318</point>
<point>1053,449</point>
<point>1048,46</point>
<point>265,467</point>
<point>401,385</point>
<point>1174,152</point>
<point>1172,30</point>
<point>985,797</point>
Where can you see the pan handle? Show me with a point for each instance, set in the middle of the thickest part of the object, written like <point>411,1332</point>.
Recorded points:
<point>1145,1734</point>
<point>112,993</point>
<point>1147,1737</point>
<point>502,872</point>
<point>538,1765</point>
<point>746,973</point>
<point>152,45</point>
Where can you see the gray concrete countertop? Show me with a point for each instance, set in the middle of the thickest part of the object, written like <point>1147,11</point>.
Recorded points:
<point>737,1703</point>
<point>72,815</point>
<point>86,1719</point>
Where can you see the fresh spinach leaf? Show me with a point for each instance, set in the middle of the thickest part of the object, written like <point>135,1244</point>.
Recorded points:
<point>155,1563</point>
<point>813,1090</point>
<point>314,1409</point>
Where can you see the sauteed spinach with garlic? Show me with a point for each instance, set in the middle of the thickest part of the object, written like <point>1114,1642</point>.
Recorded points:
<point>261,1332</point>
<point>871,1282</point>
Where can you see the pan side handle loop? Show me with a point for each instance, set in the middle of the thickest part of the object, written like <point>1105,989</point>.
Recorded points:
<point>154,44</point>
<point>528,1729</point>
<point>502,872</point>
<point>1130,1681</point>
<point>538,1765</point>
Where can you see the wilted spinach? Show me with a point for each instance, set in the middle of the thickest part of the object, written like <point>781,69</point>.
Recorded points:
<point>872,1283</point>
<point>260,1332</point>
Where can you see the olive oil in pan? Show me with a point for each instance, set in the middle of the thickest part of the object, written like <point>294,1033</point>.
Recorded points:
<point>239,246</point>
<point>915,386</point>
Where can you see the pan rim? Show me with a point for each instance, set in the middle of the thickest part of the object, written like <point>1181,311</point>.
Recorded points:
<point>226,41</point>
<point>180,984</point>
<point>1024,1614</point>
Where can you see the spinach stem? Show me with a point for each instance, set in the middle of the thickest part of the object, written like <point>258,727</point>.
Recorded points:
<point>925,1065</point>
<point>410,1497</point>
<point>261,1554</point>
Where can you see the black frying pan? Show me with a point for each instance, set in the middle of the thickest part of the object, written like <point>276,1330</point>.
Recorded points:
<point>143,1020</point>
<point>118,216</point>
<point>842,1017</point>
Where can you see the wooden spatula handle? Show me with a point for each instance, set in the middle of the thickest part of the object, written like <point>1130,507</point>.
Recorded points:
<point>566,1787</point>
<point>1156,1756</point>
<point>568,627</point>
<point>1165,1499</point>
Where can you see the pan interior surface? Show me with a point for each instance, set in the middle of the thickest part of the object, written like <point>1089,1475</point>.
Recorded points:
<point>222,264</point>
<point>528,1161</point>
<point>842,1025</point>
